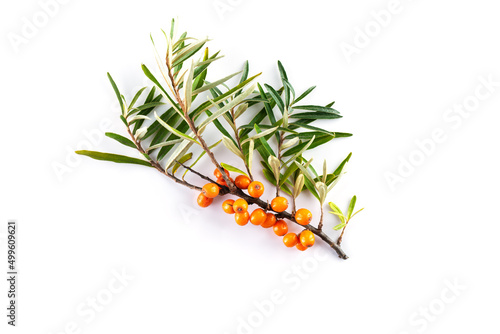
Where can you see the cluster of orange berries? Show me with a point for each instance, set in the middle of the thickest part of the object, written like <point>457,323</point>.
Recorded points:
<point>260,217</point>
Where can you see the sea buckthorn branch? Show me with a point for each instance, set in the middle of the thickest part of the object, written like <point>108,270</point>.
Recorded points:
<point>286,168</point>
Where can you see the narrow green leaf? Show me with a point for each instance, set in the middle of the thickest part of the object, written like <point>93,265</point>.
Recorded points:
<point>317,108</point>
<point>339,226</point>
<point>232,169</point>
<point>117,92</point>
<point>214,84</point>
<point>136,97</point>
<point>177,132</point>
<point>277,99</point>
<point>123,140</point>
<point>314,142</point>
<point>351,207</point>
<point>309,90</point>
<point>227,107</point>
<point>229,144</point>
<point>315,115</point>
<point>113,158</point>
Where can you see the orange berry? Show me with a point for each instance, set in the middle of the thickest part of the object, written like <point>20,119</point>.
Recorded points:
<point>218,174</point>
<point>204,201</point>
<point>279,204</point>
<point>258,217</point>
<point>227,206</point>
<point>301,247</point>
<point>211,190</point>
<point>270,220</point>
<point>241,218</point>
<point>280,228</point>
<point>290,240</point>
<point>240,205</point>
<point>306,238</point>
<point>242,181</point>
<point>256,189</point>
<point>303,216</point>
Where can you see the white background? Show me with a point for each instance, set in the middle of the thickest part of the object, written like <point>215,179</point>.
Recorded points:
<point>194,270</point>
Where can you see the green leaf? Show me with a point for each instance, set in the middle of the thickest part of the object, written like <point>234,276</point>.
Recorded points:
<point>113,158</point>
<point>315,115</point>
<point>136,97</point>
<point>227,107</point>
<point>317,108</point>
<point>117,92</point>
<point>151,77</point>
<point>276,97</point>
<point>264,143</point>
<point>232,169</point>
<point>268,107</point>
<point>339,226</point>
<point>214,84</point>
<point>188,51</point>
<point>188,88</point>
<point>166,143</point>
<point>251,147</point>
<point>123,140</point>
<point>229,144</point>
<point>314,142</point>
<point>336,211</point>
<point>351,207</point>
<point>181,160</point>
<point>309,90</point>
<point>175,131</point>
<point>260,134</point>
<point>299,151</point>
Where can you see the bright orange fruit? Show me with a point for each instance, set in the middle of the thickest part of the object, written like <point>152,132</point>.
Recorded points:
<point>306,238</point>
<point>242,181</point>
<point>218,174</point>
<point>211,190</point>
<point>255,189</point>
<point>279,204</point>
<point>240,205</point>
<point>204,201</point>
<point>241,218</point>
<point>290,239</point>
<point>258,217</point>
<point>227,206</point>
<point>303,216</point>
<point>280,228</point>
<point>270,220</point>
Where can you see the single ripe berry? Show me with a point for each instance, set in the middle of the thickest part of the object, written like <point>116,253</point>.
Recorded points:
<point>270,220</point>
<point>303,216</point>
<point>280,228</point>
<point>211,190</point>
<point>240,205</point>
<point>258,217</point>
<point>256,189</point>
<point>242,181</point>
<point>279,204</point>
<point>241,218</point>
<point>204,201</point>
<point>227,206</point>
<point>291,239</point>
<point>301,247</point>
<point>306,238</point>
<point>218,174</point>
